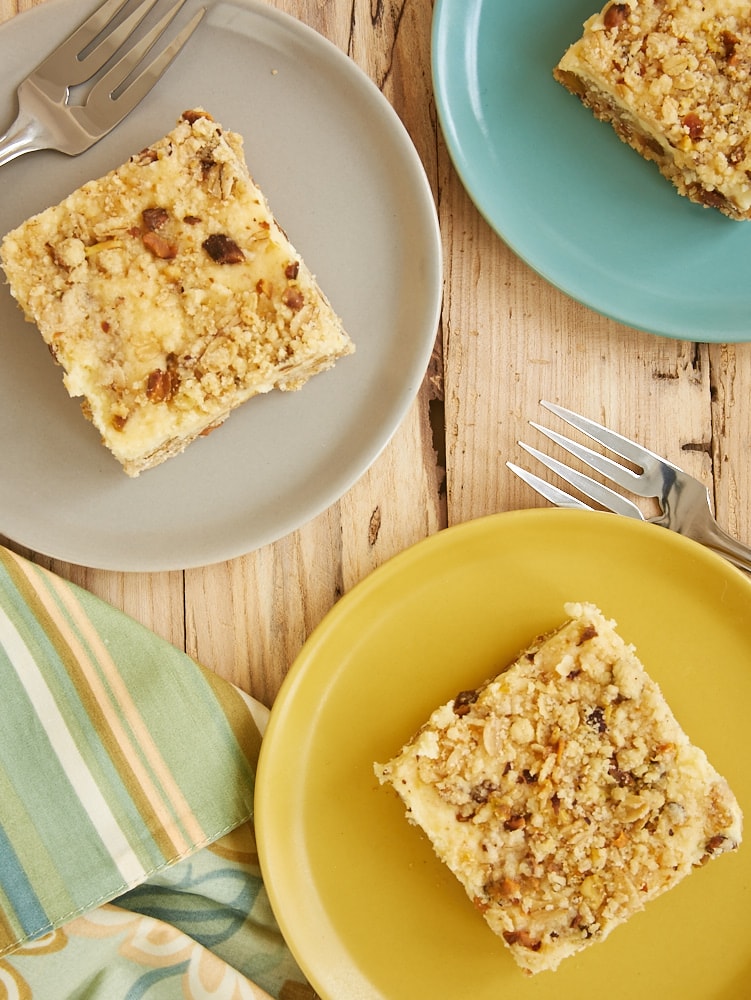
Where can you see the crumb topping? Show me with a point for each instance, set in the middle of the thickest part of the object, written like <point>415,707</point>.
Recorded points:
<point>563,793</point>
<point>169,294</point>
<point>673,77</point>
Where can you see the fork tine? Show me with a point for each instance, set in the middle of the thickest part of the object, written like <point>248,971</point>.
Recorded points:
<point>65,67</point>
<point>102,99</point>
<point>622,446</point>
<point>601,463</point>
<point>109,45</point>
<point>547,490</point>
<point>598,492</point>
<point>684,501</point>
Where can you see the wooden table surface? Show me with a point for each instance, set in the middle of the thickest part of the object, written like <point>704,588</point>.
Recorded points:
<point>506,339</point>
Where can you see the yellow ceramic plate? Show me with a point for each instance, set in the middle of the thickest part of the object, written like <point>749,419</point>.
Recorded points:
<point>366,907</point>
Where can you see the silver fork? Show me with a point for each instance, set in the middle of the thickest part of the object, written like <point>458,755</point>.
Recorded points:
<point>684,501</point>
<point>46,119</point>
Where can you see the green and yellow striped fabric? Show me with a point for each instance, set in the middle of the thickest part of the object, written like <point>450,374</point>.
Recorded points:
<point>119,755</point>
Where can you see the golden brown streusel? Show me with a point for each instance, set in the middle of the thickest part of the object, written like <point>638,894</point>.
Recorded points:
<point>673,77</point>
<point>563,794</point>
<point>170,295</point>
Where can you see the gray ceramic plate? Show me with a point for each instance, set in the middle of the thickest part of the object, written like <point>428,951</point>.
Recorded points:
<point>345,182</point>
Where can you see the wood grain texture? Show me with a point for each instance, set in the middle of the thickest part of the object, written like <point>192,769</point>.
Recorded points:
<point>507,339</point>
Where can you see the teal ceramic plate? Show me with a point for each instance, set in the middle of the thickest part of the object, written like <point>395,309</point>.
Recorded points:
<point>564,192</point>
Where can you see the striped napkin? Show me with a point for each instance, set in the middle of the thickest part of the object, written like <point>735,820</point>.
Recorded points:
<point>127,856</point>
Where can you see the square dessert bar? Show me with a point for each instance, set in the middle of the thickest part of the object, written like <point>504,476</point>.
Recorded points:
<point>170,295</point>
<point>563,794</point>
<point>673,79</point>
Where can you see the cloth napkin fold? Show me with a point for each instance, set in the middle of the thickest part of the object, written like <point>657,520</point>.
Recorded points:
<point>128,865</point>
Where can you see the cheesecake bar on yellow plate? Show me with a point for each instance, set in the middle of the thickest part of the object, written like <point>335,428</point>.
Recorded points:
<point>563,794</point>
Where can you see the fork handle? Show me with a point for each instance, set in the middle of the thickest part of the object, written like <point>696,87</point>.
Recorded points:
<point>24,136</point>
<point>725,545</point>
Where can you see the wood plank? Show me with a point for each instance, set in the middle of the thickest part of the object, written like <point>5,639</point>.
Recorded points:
<point>539,343</point>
